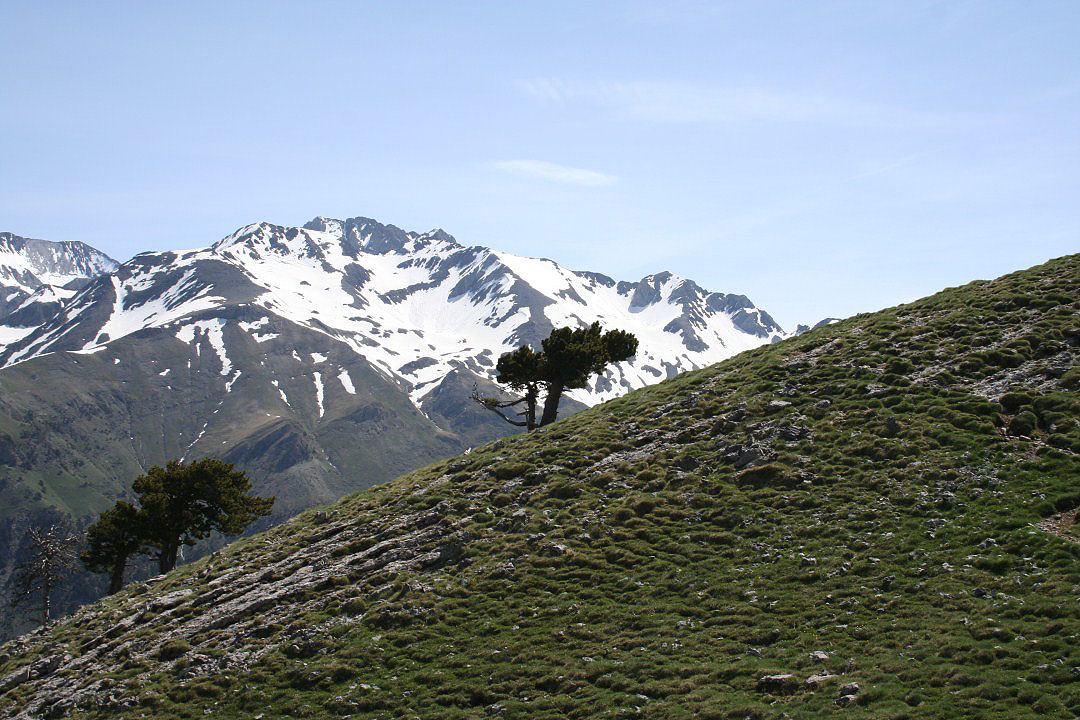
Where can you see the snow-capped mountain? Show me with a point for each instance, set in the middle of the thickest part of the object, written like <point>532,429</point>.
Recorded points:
<point>416,306</point>
<point>319,359</point>
<point>38,276</point>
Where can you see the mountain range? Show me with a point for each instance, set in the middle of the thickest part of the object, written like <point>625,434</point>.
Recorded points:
<point>321,359</point>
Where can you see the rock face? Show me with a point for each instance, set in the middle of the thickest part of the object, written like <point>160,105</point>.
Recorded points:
<point>320,359</point>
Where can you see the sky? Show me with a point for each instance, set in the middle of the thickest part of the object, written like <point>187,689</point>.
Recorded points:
<point>824,158</point>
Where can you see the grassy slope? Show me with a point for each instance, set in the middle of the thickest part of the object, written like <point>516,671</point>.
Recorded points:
<point>617,564</point>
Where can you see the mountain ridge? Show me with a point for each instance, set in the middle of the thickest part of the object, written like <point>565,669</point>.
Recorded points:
<point>481,274</point>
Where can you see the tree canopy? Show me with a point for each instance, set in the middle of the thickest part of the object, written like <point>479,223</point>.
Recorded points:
<point>185,503</point>
<point>570,356</point>
<point>118,533</point>
<point>178,505</point>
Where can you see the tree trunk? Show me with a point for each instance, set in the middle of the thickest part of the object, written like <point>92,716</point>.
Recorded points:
<point>167,557</point>
<point>46,593</point>
<point>116,578</point>
<point>551,404</point>
<point>530,409</point>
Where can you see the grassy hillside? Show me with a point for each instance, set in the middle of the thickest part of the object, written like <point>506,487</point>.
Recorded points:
<point>76,430</point>
<point>887,502</point>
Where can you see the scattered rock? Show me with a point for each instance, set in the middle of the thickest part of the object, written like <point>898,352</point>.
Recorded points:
<point>875,390</point>
<point>819,656</point>
<point>815,682</point>
<point>845,700</point>
<point>851,688</point>
<point>687,462</point>
<point>777,683</point>
<point>752,457</point>
<point>60,708</point>
<point>793,432</point>
<point>776,405</point>
<point>554,550</point>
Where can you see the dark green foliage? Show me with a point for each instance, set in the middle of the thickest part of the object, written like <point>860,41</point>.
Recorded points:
<point>115,536</point>
<point>1023,424</point>
<point>173,649</point>
<point>774,475</point>
<point>570,356</point>
<point>1013,401</point>
<point>184,503</point>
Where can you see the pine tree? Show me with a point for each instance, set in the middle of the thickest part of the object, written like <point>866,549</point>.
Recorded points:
<point>570,356</point>
<point>184,503</point>
<point>117,534</point>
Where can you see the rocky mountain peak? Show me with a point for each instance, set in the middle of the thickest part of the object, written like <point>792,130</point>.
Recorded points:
<point>37,275</point>
<point>42,262</point>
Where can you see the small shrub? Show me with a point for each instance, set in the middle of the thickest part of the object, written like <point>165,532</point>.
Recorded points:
<point>564,490</point>
<point>1012,402</point>
<point>769,475</point>
<point>1023,424</point>
<point>510,470</point>
<point>173,649</point>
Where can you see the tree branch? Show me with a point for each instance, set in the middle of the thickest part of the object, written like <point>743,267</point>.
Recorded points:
<point>495,404</point>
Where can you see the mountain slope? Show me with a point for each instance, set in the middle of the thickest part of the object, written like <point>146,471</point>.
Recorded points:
<point>876,515</point>
<point>320,360</point>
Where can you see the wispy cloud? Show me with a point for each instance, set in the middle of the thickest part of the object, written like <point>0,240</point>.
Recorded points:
<point>681,102</point>
<point>554,172</point>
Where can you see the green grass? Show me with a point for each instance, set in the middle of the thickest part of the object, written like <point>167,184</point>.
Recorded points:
<point>894,528</point>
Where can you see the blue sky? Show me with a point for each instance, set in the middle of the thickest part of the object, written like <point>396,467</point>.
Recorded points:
<point>824,158</point>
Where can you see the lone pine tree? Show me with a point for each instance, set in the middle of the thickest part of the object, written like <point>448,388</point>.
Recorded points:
<point>570,356</point>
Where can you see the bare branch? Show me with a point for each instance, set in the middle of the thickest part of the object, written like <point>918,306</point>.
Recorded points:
<point>495,404</point>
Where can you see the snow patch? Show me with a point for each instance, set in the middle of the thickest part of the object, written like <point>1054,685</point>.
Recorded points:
<point>213,331</point>
<point>280,391</point>
<point>231,381</point>
<point>318,392</point>
<point>346,382</point>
